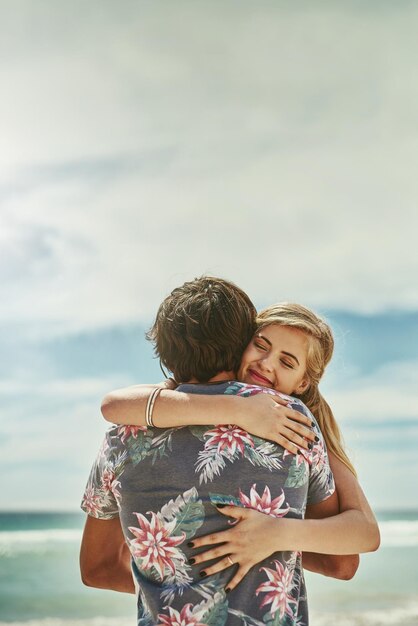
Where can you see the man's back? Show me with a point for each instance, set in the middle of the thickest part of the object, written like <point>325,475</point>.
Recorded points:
<point>165,485</point>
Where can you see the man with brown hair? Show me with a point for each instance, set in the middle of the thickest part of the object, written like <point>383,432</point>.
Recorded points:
<point>202,328</point>
<point>156,490</point>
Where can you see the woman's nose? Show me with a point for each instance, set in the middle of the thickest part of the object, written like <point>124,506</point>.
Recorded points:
<point>266,363</point>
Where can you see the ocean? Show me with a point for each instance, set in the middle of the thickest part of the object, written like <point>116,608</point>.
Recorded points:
<point>40,583</point>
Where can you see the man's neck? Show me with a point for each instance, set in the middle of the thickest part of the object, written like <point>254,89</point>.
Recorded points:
<point>220,377</point>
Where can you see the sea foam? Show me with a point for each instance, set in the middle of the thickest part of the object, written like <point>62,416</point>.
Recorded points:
<point>36,541</point>
<point>399,533</point>
<point>405,615</point>
<point>93,621</point>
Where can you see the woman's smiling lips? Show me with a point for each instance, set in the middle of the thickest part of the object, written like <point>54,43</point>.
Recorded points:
<point>260,378</point>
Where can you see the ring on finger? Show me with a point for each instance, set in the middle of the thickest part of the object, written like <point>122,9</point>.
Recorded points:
<point>228,558</point>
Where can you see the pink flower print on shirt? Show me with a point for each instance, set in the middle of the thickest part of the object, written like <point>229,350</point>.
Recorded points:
<point>229,439</point>
<point>109,483</point>
<point>92,502</point>
<point>184,618</point>
<point>303,456</point>
<point>154,544</point>
<point>108,477</point>
<point>264,503</point>
<point>278,590</point>
<point>115,486</point>
<point>319,456</point>
<point>125,432</point>
<point>252,390</point>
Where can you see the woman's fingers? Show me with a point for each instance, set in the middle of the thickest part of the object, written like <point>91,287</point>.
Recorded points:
<point>224,563</point>
<point>237,578</point>
<point>296,439</point>
<point>208,555</point>
<point>301,430</point>
<point>289,433</point>
<point>298,422</point>
<point>286,444</point>
<point>208,540</point>
<point>290,440</point>
<point>279,400</point>
<point>237,512</point>
<point>243,546</point>
<point>297,416</point>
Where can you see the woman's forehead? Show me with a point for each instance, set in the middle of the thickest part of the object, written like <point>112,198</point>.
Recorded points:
<point>278,335</point>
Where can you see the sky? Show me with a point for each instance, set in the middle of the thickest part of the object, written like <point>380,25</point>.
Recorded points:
<point>143,144</point>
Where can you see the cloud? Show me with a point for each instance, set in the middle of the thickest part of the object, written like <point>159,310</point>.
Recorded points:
<point>154,150</point>
<point>52,433</point>
<point>387,395</point>
<point>66,389</point>
<point>378,415</point>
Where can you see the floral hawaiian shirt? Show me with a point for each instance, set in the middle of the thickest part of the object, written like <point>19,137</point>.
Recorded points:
<point>165,484</point>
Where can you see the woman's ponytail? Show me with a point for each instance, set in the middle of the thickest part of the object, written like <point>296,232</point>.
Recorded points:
<point>320,408</point>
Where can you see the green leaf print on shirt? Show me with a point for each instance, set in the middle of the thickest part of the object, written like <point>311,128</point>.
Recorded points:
<point>276,620</point>
<point>298,474</point>
<point>265,454</point>
<point>143,443</point>
<point>234,388</point>
<point>198,431</point>
<point>220,498</point>
<point>188,511</point>
<point>138,447</point>
<point>217,613</point>
<point>160,444</point>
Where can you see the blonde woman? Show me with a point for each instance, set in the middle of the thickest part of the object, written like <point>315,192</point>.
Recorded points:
<point>288,354</point>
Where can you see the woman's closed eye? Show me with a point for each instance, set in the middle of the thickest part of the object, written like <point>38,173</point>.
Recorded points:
<point>287,364</point>
<point>260,346</point>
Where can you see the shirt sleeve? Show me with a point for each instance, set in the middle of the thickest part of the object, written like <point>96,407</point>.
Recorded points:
<point>101,494</point>
<point>321,480</point>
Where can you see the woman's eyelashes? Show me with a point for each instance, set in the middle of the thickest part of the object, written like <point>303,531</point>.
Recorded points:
<point>264,348</point>
<point>286,364</point>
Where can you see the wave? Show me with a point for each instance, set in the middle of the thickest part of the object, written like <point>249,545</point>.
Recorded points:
<point>92,621</point>
<point>36,541</point>
<point>405,615</point>
<point>400,533</point>
<point>40,536</point>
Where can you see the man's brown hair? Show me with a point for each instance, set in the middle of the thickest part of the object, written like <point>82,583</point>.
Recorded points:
<point>202,328</point>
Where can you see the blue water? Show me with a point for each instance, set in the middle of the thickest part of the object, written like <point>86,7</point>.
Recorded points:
<point>39,573</point>
<point>40,582</point>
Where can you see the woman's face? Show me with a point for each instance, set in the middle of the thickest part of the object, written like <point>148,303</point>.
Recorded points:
<point>276,358</point>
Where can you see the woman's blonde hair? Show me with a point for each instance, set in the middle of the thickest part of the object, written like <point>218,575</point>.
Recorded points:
<point>320,349</point>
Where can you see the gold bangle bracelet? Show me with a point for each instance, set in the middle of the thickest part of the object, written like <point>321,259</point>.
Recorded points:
<point>150,406</point>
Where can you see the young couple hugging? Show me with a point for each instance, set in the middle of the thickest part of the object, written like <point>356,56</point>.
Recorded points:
<point>214,490</point>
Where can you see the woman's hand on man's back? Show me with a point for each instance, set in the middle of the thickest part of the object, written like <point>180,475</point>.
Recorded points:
<point>268,416</point>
